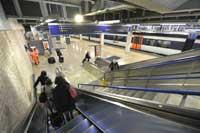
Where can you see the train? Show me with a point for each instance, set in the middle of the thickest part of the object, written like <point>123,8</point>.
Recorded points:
<point>159,43</point>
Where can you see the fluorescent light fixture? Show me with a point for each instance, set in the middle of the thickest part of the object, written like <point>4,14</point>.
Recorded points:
<point>49,20</point>
<point>109,22</point>
<point>78,18</point>
<point>53,24</point>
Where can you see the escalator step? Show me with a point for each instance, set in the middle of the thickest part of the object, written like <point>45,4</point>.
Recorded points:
<point>92,129</point>
<point>81,127</point>
<point>72,123</point>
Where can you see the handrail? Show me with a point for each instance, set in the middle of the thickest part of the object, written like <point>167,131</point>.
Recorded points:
<point>180,60</point>
<point>159,60</point>
<point>156,77</point>
<point>171,91</point>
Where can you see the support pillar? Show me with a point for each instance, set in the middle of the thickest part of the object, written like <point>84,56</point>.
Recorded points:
<point>81,38</point>
<point>17,7</point>
<point>43,8</point>
<point>128,41</point>
<point>3,21</point>
<point>64,11</point>
<point>102,39</point>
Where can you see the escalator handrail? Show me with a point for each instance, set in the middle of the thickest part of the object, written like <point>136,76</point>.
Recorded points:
<point>180,60</point>
<point>169,91</point>
<point>151,60</point>
<point>157,77</point>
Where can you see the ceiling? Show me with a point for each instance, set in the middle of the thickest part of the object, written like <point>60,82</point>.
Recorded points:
<point>93,8</point>
<point>164,6</point>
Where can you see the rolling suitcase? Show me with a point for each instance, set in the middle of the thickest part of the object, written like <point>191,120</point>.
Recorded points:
<point>61,59</point>
<point>51,60</point>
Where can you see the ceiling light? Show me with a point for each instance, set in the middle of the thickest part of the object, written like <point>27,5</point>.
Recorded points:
<point>78,18</point>
<point>109,22</point>
<point>49,20</point>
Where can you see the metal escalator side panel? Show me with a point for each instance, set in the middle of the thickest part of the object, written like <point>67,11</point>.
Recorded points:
<point>81,127</point>
<point>92,129</point>
<point>71,124</point>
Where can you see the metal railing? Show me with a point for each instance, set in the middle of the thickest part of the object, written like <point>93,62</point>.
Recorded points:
<point>169,91</point>
<point>114,92</point>
<point>162,59</point>
<point>154,72</point>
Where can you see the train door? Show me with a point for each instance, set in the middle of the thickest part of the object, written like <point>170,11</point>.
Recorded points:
<point>137,41</point>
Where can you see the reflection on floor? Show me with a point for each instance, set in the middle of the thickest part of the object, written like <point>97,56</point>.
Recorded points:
<point>73,55</point>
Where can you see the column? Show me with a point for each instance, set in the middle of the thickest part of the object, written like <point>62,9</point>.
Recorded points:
<point>17,7</point>
<point>81,38</point>
<point>102,39</point>
<point>64,12</point>
<point>128,41</point>
<point>3,21</point>
<point>43,8</point>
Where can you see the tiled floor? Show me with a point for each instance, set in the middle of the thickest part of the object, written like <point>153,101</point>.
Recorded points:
<point>74,53</point>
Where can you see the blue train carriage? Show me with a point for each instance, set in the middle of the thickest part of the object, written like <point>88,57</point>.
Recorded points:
<point>160,43</point>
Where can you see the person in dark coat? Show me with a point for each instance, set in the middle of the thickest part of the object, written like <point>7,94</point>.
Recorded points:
<point>42,80</point>
<point>58,52</point>
<point>62,99</point>
<point>87,57</point>
<point>114,65</point>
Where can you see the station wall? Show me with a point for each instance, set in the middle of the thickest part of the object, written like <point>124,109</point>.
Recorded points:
<point>15,76</point>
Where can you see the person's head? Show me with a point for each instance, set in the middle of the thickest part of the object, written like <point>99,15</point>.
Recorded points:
<point>34,49</point>
<point>43,73</point>
<point>61,81</point>
<point>114,61</point>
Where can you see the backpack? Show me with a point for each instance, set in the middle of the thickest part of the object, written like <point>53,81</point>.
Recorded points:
<point>73,91</point>
<point>43,97</point>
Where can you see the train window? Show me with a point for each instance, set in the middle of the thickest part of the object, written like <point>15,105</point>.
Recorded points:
<point>196,46</point>
<point>115,38</point>
<point>198,37</point>
<point>152,42</point>
<point>146,41</point>
<point>108,37</point>
<point>177,45</point>
<point>92,35</point>
<point>122,38</point>
<point>165,44</point>
<point>96,35</point>
<point>136,40</point>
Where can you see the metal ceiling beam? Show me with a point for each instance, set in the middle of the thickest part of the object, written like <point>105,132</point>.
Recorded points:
<point>146,4</point>
<point>56,3</point>
<point>115,8</point>
<point>17,7</point>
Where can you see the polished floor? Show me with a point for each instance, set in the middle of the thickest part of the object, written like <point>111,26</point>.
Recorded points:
<point>74,53</point>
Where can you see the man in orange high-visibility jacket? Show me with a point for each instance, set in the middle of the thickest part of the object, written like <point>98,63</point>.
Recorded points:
<point>36,56</point>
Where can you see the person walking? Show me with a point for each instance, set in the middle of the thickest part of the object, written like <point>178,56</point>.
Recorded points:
<point>114,65</point>
<point>87,57</point>
<point>36,56</point>
<point>42,80</point>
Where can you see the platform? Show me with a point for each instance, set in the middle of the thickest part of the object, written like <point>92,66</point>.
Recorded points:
<point>74,54</point>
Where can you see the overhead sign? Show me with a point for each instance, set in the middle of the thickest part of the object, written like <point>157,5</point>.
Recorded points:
<point>60,29</point>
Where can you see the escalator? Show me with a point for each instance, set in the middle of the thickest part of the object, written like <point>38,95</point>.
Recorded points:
<point>100,111</point>
<point>185,54</point>
<point>113,117</point>
<point>156,98</point>
<point>178,74</point>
